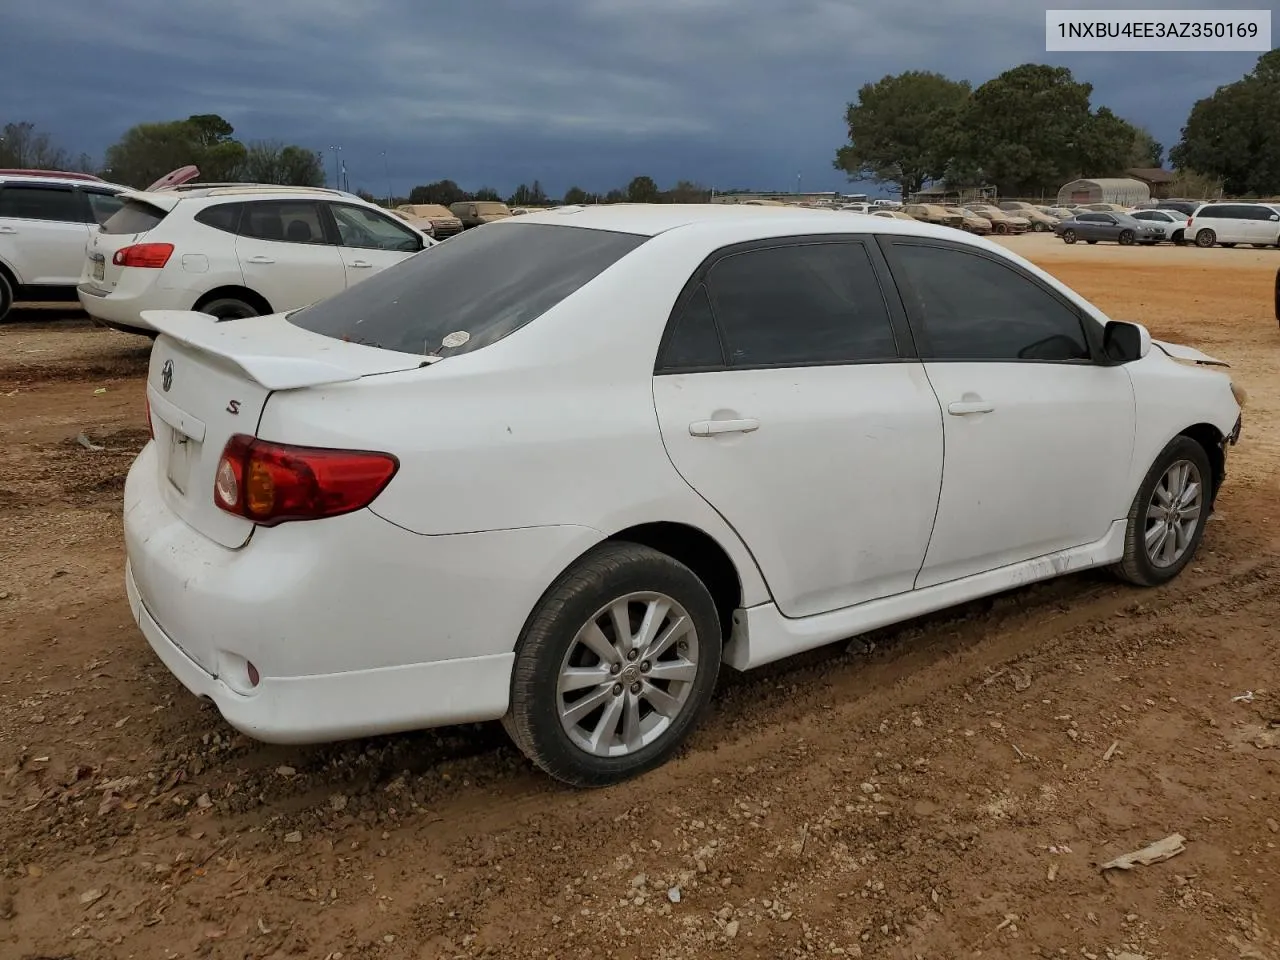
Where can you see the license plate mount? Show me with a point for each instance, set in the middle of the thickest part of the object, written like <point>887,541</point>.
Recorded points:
<point>181,448</point>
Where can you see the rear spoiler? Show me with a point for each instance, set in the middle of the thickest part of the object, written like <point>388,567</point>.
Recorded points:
<point>271,352</point>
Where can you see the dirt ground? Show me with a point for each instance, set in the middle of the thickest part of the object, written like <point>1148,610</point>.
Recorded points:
<point>941,790</point>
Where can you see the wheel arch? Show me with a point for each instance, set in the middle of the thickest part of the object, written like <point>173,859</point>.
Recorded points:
<point>1210,438</point>
<point>238,292</point>
<point>11,276</point>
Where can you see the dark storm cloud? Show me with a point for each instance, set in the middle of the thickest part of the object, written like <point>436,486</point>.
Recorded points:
<point>728,92</point>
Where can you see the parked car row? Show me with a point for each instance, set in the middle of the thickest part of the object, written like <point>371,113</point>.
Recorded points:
<point>228,250</point>
<point>1224,224</point>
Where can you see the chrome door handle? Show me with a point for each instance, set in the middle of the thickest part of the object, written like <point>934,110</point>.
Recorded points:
<point>261,260</point>
<point>712,428</point>
<point>360,263</point>
<point>7,230</point>
<point>963,408</point>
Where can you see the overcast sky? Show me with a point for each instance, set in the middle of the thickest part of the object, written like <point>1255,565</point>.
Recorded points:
<point>730,93</point>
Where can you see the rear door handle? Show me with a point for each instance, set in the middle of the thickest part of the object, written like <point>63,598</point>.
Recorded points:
<point>7,230</point>
<point>712,428</point>
<point>261,260</point>
<point>963,408</point>
<point>360,263</point>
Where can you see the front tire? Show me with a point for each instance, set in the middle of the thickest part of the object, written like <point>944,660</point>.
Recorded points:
<point>1039,227</point>
<point>6,296</point>
<point>1126,238</point>
<point>1168,514</point>
<point>1000,228</point>
<point>615,666</point>
<point>1068,236</point>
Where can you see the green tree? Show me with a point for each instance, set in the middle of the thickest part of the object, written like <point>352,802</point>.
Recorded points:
<point>686,191</point>
<point>526,196</point>
<point>1106,145</point>
<point>1234,134</point>
<point>1147,150</point>
<point>488,194</point>
<point>444,192</point>
<point>903,129</point>
<point>275,162</point>
<point>148,151</point>
<point>575,196</point>
<point>1024,128</point>
<point>619,196</point>
<point>642,190</point>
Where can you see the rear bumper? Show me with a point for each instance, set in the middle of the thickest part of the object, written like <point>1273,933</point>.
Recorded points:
<point>122,309</point>
<point>317,709</point>
<point>355,626</point>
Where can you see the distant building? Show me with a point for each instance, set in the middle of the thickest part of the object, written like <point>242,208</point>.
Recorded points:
<point>1128,192</point>
<point>1158,180</point>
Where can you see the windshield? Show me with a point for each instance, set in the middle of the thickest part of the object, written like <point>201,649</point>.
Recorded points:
<point>474,290</point>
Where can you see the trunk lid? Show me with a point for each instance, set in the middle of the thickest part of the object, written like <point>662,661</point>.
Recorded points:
<point>209,380</point>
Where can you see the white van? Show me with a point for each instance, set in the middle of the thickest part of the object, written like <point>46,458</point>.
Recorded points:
<point>1232,223</point>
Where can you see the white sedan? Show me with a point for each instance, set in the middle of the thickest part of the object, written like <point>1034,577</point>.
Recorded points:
<point>564,468</point>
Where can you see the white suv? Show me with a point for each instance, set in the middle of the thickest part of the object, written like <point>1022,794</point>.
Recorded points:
<point>1232,223</point>
<point>45,222</point>
<point>235,251</point>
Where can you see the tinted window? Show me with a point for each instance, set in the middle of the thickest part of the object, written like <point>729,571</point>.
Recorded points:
<point>134,216</point>
<point>368,229</point>
<point>103,205</point>
<point>41,203</point>
<point>693,341</point>
<point>807,303</point>
<point>484,283</point>
<point>972,308</point>
<point>223,216</point>
<point>289,221</point>
<point>1212,212</point>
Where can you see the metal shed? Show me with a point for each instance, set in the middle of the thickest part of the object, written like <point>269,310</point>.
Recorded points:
<point>1124,191</point>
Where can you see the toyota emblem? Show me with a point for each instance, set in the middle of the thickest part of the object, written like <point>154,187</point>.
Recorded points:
<point>166,375</point>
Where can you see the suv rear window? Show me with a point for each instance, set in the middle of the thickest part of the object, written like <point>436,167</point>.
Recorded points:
<point>484,283</point>
<point>134,217</point>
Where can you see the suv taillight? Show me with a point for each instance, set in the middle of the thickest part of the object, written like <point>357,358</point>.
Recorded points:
<point>271,483</point>
<point>153,255</point>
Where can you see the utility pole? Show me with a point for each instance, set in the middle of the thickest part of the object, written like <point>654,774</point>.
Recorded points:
<point>387,170</point>
<point>337,175</point>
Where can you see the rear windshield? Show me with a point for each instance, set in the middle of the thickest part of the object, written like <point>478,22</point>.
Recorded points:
<point>134,217</point>
<point>472,291</point>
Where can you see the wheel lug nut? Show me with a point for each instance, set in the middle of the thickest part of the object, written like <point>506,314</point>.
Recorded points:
<point>635,687</point>
<point>616,668</point>
<point>632,654</point>
<point>644,667</point>
<point>617,689</point>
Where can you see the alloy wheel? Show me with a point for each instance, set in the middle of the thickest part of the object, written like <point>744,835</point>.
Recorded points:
<point>1173,513</point>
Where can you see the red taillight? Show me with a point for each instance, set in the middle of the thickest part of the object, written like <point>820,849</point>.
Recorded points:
<point>154,255</point>
<point>271,483</point>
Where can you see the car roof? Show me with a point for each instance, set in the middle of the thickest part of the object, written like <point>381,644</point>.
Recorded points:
<point>16,178</point>
<point>645,219</point>
<point>169,198</point>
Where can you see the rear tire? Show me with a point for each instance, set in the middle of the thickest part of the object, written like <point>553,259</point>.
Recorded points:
<point>1068,236</point>
<point>229,308</point>
<point>1278,296</point>
<point>1091,242</point>
<point>1166,520</point>
<point>634,721</point>
<point>1179,238</point>
<point>6,296</point>
<point>1206,238</point>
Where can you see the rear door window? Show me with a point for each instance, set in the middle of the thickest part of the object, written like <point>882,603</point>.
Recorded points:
<point>286,221</point>
<point>103,205</point>
<point>52,202</point>
<point>479,287</point>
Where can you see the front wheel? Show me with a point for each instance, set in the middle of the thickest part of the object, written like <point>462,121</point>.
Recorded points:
<point>1179,238</point>
<point>1068,236</point>
<point>1126,238</point>
<point>1000,228</point>
<point>1166,520</point>
<point>1039,227</point>
<point>615,667</point>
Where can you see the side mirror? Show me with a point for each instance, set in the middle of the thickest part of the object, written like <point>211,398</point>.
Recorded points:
<point>1274,216</point>
<point>1125,342</point>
